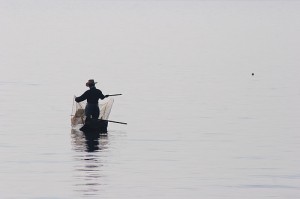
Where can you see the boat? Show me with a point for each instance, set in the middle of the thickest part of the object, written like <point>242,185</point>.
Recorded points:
<point>95,126</point>
<point>88,125</point>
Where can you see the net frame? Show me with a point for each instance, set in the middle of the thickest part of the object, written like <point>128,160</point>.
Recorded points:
<point>78,114</point>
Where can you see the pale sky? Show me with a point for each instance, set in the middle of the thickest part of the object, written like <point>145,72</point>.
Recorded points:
<point>52,34</point>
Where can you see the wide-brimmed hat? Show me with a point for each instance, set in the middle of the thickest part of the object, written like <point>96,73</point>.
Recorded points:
<point>91,82</point>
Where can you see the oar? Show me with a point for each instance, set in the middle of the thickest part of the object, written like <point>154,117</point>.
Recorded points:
<point>115,122</point>
<point>114,95</point>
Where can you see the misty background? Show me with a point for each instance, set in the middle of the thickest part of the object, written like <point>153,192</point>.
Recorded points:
<point>199,123</point>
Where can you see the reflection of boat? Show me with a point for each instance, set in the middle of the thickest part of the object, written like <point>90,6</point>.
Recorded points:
<point>87,125</point>
<point>89,155</point>
<point>88,141</point>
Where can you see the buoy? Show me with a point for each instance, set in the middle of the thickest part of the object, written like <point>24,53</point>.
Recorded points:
<point>252,74</point>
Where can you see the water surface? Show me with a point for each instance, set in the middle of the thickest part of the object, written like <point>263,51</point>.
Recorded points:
<point>199,124</point>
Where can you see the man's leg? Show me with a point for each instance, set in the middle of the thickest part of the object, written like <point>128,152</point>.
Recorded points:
<point>88,113</point>
<point>96,113</point>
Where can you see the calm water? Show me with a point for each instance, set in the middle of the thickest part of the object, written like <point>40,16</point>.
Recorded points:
<point>199,124</point>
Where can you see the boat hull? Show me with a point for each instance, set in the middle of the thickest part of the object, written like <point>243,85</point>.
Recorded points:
<point>95,126</point>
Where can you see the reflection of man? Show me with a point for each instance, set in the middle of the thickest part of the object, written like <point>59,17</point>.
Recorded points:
<point>92,96</point>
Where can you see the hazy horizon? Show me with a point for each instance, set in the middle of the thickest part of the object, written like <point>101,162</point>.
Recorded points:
<point>199,124</point>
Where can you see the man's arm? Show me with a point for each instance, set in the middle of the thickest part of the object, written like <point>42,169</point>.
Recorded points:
<point>101,96</point>
<point>81,98</point>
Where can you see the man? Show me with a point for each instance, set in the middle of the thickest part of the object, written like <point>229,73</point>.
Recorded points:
<point>92,96</point>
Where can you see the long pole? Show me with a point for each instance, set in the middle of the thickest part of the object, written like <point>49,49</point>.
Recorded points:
<point>115,122</point>
<point>114,95</point>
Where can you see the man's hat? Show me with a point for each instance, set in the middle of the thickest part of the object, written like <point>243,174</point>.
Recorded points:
<point>91,82</point>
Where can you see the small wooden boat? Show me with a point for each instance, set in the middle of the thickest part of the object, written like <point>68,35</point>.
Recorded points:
<point>95,126</point>
<point>79,120</point>
<point>90,126</point>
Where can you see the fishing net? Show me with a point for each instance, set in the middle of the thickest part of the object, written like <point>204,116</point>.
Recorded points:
<point>78,117</point>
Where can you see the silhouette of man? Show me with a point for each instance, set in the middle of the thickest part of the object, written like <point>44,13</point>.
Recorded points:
<point>92,96</point>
